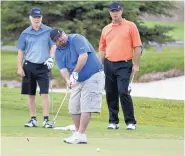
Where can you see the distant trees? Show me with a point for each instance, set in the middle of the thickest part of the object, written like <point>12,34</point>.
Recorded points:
<point>87,18</point>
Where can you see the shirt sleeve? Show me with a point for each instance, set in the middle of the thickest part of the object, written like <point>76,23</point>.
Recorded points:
<point>136,40</point>
<point>51,42</point>
<point>60,61</point>
<point>102,42</point>
<point>81,44</point>
<point>21,45</point>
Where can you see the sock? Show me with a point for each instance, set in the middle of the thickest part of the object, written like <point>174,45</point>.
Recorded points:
<point>33,118</point>
<point>46,118</point>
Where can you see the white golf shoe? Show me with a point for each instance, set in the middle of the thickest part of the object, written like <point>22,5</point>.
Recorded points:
<point>113,126</point>
<point>76,138</point>
<point>47,124</point>
<point>31,123</point>
<point>131,126</point>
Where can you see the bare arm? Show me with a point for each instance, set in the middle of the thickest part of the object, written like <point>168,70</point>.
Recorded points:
<point>52,51</point>
<point>20,57</point>
<point>81,62</point>
<point>102,56</point>
<point>65,74</point>
<point>137,54</point>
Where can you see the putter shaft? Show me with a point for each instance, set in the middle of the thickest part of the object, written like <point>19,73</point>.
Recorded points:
<point>60,106</point>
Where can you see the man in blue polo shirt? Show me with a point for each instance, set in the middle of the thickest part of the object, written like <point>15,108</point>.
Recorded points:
<point>35,59</point>
<point>82,70</point>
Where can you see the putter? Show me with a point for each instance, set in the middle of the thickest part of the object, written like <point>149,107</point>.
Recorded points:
<point>54,120</point>
<point>129,87</point>
<point>51,90</point>
<point>51,95</point>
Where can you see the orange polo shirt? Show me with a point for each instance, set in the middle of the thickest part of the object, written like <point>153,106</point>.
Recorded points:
<point>119,40</point>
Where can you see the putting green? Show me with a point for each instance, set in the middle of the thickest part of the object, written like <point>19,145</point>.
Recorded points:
<point>54,146</point>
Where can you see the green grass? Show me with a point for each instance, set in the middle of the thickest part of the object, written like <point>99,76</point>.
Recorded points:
<point>153,115</point>
<point>168,59</point>
<point>53,146</point>
<point>9,67</point>
<point>177,33</point>
<point>151,61</point>
<point>159,130</point>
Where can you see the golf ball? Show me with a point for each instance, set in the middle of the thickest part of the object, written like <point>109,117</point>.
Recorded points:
<point>98,150</point>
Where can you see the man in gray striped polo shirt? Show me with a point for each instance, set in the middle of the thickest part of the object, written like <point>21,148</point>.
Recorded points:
<point>35,59</point>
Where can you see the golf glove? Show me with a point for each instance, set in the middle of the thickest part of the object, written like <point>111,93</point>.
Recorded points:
<point>74,77</point>
<point>72,80</point>
<point>49,62</point>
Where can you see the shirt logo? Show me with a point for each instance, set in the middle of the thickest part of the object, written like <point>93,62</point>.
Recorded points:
<point>82,48</point>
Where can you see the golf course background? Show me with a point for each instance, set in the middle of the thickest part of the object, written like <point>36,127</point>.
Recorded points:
<point>160,122</point>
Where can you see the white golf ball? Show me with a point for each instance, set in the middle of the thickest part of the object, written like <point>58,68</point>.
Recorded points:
<point>98,150</point>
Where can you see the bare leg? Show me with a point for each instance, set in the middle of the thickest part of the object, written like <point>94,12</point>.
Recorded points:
<point>85,118</point>
<point>32,105</point>
<point>45,104</point>
<point>76,120</point>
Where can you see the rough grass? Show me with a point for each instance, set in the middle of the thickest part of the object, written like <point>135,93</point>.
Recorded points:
<point>151,62</point>
<point>177,33</point>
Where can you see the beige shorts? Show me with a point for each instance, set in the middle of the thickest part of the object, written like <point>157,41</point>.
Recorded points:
<point>87,95</point>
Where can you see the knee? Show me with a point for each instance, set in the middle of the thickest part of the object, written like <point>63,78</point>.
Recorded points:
<point>123,91</point>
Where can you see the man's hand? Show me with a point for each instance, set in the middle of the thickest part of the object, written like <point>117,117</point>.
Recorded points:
<point>135,69</point>
<point>49,62</point>
<point>74,77</point>
<point>20,72</point>
<point>72,80</point>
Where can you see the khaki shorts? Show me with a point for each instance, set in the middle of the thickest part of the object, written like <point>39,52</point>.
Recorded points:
<point>87,95</point>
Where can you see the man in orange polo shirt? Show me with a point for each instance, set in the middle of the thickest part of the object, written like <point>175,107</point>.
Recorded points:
<point>119,43</point>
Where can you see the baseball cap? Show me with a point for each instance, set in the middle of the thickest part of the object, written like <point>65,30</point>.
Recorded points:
<point>114,6</point>
<point>35,12</point>
<point>55,33</point>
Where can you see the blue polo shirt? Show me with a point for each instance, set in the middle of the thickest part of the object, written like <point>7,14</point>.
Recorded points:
<point>35,44</point>
<point>67,57</point>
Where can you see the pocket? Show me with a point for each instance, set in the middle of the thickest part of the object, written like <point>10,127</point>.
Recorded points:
<point>94,100</point>
<point>25,65</point>
<point>26,80</point>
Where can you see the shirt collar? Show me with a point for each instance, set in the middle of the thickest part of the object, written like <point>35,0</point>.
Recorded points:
<point>41,27</point>
<point>122,22</point>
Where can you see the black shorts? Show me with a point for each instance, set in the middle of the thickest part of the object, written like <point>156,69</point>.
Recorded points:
<point>35,73</point>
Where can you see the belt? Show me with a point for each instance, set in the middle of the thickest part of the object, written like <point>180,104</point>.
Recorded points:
<point>120,60</point>
<point>34,63</point>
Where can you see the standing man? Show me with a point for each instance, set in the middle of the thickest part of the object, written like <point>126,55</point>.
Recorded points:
<point>37,50</point>
<point>80,67</point>
<point>119,43</point>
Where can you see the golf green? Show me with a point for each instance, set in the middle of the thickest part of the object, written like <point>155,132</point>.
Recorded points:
<point>54,146</point>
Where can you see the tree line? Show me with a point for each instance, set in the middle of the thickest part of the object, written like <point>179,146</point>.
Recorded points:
<point>84,17</point>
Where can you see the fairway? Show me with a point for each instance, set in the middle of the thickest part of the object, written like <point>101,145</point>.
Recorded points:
<point>54,146</point>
